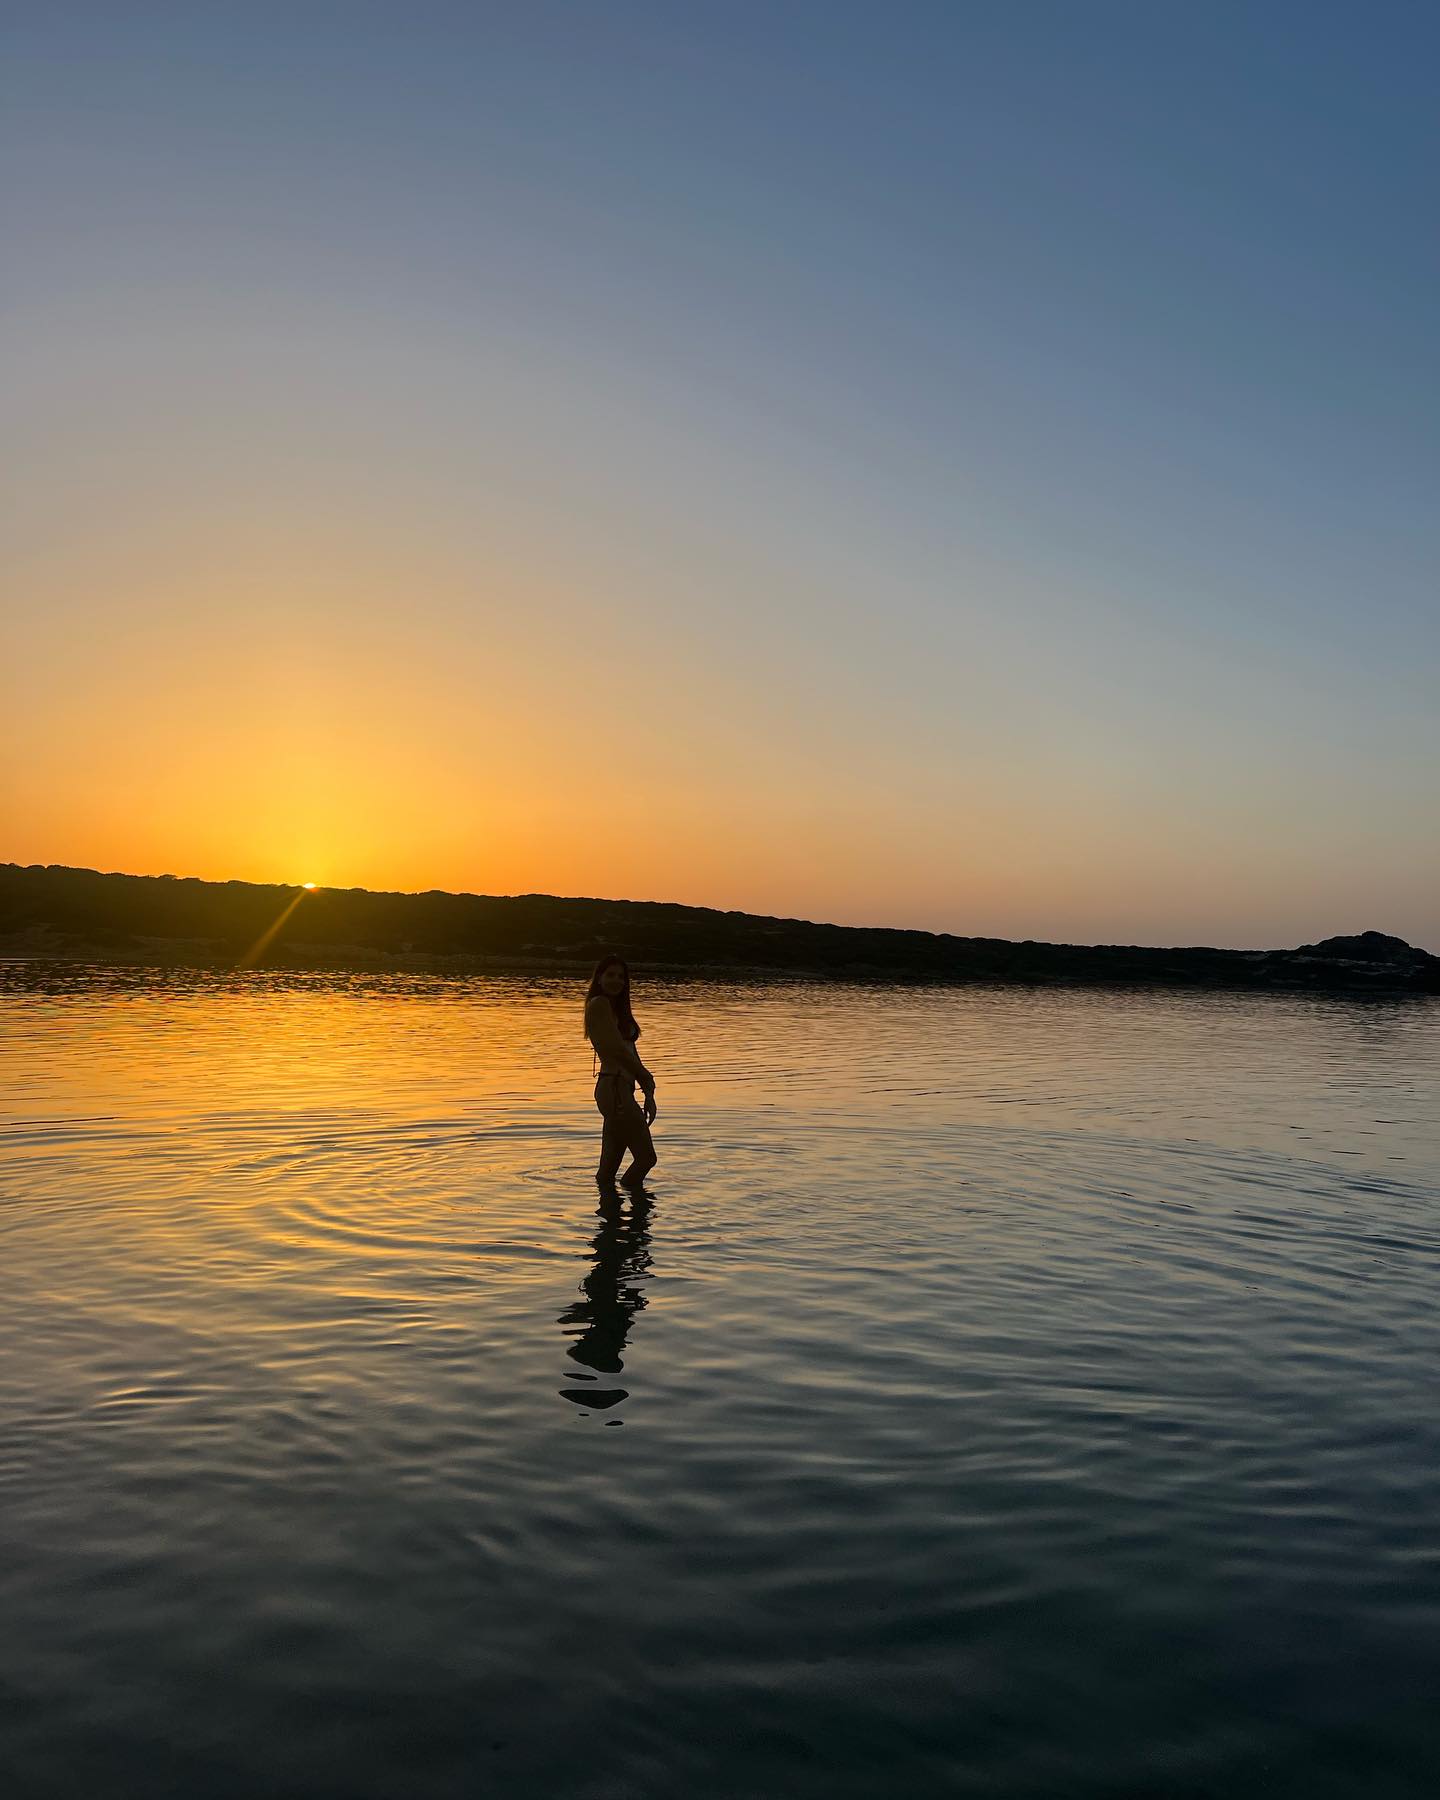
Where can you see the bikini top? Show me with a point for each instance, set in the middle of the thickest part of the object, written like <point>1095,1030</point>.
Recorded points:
<point>626,1037</point>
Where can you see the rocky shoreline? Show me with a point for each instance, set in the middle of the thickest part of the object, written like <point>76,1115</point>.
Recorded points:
<point>54,914</point>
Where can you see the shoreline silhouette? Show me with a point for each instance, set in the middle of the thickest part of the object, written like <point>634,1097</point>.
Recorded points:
<point>52,912</point>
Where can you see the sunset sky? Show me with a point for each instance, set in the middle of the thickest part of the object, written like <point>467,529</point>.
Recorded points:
<point>961,466</point>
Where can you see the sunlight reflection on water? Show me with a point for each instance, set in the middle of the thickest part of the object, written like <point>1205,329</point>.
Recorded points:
<point>1023,1391</point>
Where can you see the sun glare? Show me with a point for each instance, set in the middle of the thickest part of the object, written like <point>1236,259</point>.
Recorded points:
<point>308,884</point>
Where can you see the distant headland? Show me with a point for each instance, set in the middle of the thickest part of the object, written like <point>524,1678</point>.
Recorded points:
<point>49,912</point>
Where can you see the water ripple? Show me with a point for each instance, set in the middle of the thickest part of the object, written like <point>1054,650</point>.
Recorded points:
<point>1031,1395</point>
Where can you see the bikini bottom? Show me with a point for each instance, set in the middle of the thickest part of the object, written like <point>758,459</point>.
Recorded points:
<point>615,1098</point>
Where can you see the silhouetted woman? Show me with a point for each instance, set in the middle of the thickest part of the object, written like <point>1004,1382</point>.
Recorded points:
<point>611,1028</point>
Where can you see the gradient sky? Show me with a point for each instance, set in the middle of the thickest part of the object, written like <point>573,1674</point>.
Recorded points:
<point>961,466</point>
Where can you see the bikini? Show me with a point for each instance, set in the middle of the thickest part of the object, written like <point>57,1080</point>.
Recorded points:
<point>615,1075</point>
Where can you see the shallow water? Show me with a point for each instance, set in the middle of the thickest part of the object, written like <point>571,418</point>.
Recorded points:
<point>1006,1392</point>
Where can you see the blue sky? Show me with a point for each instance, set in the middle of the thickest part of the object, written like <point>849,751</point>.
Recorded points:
<point>990,452</point>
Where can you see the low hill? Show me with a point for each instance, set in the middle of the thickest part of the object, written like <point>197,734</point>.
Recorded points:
<point>49,911</point>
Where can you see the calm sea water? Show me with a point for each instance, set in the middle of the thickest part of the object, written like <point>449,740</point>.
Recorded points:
<point>1006,1392</point>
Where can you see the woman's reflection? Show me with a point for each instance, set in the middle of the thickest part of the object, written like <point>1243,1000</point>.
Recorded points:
<point>610,1295</point>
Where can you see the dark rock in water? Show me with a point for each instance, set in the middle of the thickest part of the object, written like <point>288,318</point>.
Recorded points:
<point>1370,959</point>
<point>1368,946</point>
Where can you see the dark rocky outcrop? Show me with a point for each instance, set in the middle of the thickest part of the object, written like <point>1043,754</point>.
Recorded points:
<point>1372,948</point>
<point>80,914</point>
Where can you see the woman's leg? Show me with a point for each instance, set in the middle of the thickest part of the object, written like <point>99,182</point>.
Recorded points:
<point>641,1145</point>
<point>625,1129</point>
<point>612,1140</point>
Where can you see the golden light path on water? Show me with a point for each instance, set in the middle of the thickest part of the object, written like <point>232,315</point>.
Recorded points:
<point>1012,1392</point>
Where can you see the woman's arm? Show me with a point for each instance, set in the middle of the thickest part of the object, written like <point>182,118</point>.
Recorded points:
<point>604,1034</point>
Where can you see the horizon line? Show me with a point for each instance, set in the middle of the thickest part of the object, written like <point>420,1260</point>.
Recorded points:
<point>679,905</point>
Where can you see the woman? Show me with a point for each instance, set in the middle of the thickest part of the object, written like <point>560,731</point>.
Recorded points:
<point>611,1028</point>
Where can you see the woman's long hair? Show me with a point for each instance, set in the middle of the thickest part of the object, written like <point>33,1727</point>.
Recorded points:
<point>620,1003</point>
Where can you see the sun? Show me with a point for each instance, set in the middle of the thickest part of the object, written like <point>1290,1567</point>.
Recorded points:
<point>308,885</point>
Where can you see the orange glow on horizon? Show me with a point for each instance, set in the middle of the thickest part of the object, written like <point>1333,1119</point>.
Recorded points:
<point>705,779</point>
